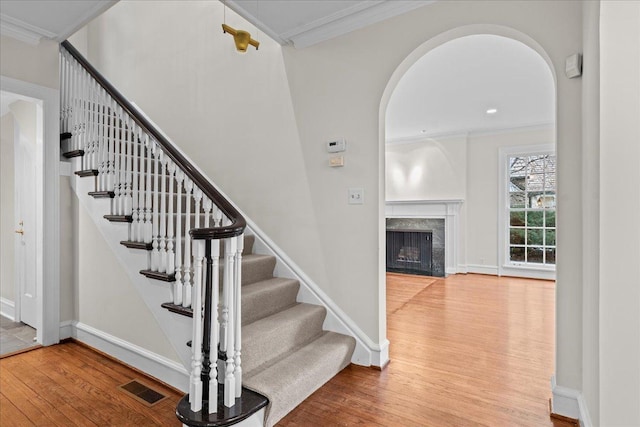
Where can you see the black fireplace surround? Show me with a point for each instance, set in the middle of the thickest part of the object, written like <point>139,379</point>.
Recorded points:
<point>410,251</point>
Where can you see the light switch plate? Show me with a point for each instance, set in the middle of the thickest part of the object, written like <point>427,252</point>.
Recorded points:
<point>356,196</point>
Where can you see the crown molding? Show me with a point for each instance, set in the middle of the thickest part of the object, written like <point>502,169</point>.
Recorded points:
<point>22,31</point>
<point>470,133</point>
<point>342,22</point>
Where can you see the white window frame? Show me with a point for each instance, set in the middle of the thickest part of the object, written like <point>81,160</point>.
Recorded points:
<point>505,267</point>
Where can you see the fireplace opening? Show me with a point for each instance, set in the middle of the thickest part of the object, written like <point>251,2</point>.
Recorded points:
<point>410,251</point>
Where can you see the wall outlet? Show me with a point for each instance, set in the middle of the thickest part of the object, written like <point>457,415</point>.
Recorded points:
<point>356,196</point>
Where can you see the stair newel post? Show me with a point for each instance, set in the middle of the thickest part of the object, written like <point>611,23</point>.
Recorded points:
<point>206,333</point>
<point>213,283</point>
<point>155,253</point>
<point>229,316</point>
<point>195,389</point>
<point>171,262</point>
<point>178,291</point>
<point>237,288</point>
<point>148,228</point>
<point>186,297</point>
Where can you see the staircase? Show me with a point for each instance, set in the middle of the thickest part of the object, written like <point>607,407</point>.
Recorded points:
<point>252,344</point>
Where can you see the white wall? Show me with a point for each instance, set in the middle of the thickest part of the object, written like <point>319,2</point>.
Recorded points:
<point>7,208</point>
<point>619,207</point>
<point>68,251</point>
<point>591,203</point>
<point>483,188</point>
<point>426,169</point>
<point>337,87</point>
<point>106,299</point>
<point>33,64</point>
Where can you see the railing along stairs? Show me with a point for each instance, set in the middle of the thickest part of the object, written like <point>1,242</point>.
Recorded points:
<point>190,229</point>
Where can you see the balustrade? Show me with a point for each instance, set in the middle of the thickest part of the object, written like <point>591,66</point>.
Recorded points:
<point>172,209</point>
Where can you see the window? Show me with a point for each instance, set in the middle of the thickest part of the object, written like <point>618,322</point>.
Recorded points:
<point>532,209</point>
<point>527,211</point>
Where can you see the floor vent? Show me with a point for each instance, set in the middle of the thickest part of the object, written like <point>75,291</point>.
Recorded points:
<point>142,392</point>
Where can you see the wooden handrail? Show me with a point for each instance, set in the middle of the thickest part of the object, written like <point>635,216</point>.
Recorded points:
<point>238,223</point>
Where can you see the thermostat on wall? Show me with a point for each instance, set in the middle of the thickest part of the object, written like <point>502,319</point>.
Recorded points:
<point>337,145</point>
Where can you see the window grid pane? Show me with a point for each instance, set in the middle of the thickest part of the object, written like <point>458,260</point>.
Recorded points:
<point>532,216</point>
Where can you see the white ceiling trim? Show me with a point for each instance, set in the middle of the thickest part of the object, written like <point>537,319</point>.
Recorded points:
<point>468,133</point>
<point>342,22</point>
<point>17,29</point>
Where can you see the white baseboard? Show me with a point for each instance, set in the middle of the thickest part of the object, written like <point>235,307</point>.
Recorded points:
<point>166,370</point>
<point>66,329</point>
<point>570,403</point>
<point>7,308</point>
<point>482,269</point>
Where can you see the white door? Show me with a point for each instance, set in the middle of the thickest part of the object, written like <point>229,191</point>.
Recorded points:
<point>25,246</point>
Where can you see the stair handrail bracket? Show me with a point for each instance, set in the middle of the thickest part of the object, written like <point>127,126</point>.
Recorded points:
<point>194,234</point>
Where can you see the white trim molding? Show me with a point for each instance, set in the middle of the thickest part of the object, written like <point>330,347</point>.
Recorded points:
<point>449,210</point>
<point>570,403</point>
<point>359,15</point>
<point>166,370</point>
<point>7,308</point>
<point>48,194</point>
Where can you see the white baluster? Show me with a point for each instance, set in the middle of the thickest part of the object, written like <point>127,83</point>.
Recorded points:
<point>178,288</point>
<point>171,262</point>
<point>237,285</point>
<point>148,227</point>
<point>128,130</point>
<point>186,289</point>
<point>112,153</point>
<point>136,174</point>
<point>117,151</point>
<point>162,231</point>
<point>229,316</point>
<point>215,289</point>
<point>155,253</point>
<point>195,383</point>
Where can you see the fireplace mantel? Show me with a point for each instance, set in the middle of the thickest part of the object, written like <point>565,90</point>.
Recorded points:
<point>449,210</point>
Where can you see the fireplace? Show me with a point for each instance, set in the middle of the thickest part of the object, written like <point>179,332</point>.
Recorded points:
<point>410,251</point>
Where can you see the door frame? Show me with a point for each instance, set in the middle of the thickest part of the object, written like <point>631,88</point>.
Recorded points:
<point>47,209</point>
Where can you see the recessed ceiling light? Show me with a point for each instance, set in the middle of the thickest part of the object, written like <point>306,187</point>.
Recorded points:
<point>492,110</point>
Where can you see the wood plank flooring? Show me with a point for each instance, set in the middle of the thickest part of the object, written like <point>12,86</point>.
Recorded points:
<point>71,385</point>
<point>469,350</point>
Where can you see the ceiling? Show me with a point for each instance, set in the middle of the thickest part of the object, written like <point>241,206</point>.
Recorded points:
<point>445,92</point>
<point>449,90</point>
<point>30,21</point>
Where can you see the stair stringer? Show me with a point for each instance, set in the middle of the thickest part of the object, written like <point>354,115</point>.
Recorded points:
<point>367,352</point>
<point>154,293</point>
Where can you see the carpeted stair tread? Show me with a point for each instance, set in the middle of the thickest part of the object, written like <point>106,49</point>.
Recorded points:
<point>267,340</point>
<point>294,378</point>
<point>267,297</point>
<point>256,267</point>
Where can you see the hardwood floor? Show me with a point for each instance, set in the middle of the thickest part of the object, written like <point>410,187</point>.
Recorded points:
<point>71,385</point>
<point>469,350</point>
